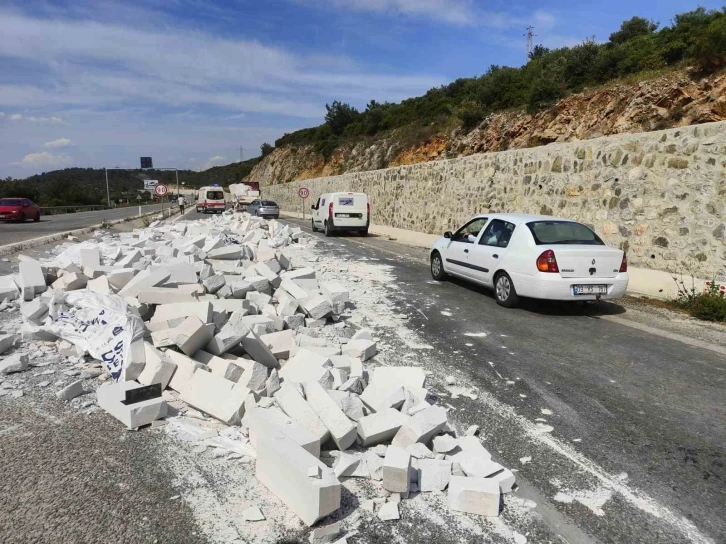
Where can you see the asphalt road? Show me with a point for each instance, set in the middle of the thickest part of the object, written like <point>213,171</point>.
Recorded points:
<point>642,406</point>
<point>11,232</point>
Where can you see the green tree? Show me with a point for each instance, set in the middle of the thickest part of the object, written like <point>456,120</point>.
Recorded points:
<point>339,115</point>
<point>636,26</point>
<point>709,51</point>
<point>538,52</point>
<point>266,149</point>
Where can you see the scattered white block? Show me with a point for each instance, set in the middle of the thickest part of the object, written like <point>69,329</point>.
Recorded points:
<point>474,496</point>
<point>267,421</point>
<point>185,368</point>
<point>6,342</point>
<point>31,278</point>
<point>158,369</point>
<point>281,343</point>
<point>421,427</point>
<point>316,306</point>
<point>397,470</point>
<point>505,478</point>
<point>111,397</point>
<point>380,427</point>
<point>231,334</point>
<point>295,406</point>
<point>389,512</point>
<point>17,362</point>
<point>227,252</point>
<point>192,335</point>
<point>253,514</point>
<point>34,311</point>
<point>99,285</point>
<point>361,349</point>
<point>324,535</point>
<point>142,280</point>
<point>70,391</point>
<point>342,429</point>
<point>216,396</point>
<point>433,475</point>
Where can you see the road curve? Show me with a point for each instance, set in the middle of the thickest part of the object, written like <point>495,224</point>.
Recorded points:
<point>11,232</point>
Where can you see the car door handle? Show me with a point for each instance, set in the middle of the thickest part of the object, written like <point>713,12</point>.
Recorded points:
<point>495,256</point>
<point>466,251</point>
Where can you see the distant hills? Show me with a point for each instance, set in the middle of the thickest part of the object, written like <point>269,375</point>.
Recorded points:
<point>87,186</point>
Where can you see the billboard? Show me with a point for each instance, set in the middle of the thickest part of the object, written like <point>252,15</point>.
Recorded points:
<point>146,162</point>
<point>149,184</point>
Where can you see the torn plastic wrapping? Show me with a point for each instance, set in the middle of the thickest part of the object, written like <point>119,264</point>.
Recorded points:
<point>102,325</point>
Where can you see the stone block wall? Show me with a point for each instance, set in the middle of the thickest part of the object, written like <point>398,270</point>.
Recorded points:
<point>661,196</point>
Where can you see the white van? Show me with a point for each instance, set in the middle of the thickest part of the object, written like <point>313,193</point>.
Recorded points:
<point>342,212</point>
<point>211,200</point>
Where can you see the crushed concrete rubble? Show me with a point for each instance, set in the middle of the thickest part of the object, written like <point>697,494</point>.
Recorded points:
<point>216,318</point>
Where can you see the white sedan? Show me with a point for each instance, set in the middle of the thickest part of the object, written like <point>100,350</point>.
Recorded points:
<point>531,256</point>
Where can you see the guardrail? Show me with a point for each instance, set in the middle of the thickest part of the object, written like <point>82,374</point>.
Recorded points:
<point>58,210</point>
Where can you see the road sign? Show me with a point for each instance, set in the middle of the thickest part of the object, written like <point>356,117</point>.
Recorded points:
<point>161,190</point>
<point>149,184</point>
<point>146,162</point>
<point>303,192</point>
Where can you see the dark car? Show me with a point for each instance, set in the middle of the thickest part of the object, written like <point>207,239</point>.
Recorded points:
<point>18,209</point>
<point>264,208</point>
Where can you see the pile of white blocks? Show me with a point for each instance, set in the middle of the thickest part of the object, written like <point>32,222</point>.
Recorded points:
<point>231,327</point>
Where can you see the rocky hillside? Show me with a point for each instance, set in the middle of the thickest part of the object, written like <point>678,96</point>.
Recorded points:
<point>672,100</point>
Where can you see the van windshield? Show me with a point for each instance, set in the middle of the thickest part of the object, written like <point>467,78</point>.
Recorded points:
<point>215,195</point>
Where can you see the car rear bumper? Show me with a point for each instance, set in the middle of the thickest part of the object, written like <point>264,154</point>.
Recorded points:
<point>553,287</point>
<point>351,223</point>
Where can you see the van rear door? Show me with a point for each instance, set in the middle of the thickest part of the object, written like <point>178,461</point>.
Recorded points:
<point>351,209</point>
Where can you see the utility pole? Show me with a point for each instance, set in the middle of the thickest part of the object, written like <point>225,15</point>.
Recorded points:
<point>108,194</point>
<point>530,40</point>
<point>241,154</point>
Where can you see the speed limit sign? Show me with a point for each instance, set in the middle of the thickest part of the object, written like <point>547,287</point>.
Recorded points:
<point>303,192</point>
<point>161,190</point>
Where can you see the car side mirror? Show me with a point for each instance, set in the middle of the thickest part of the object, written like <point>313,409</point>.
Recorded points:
<point>448,234</point>
<point>313,207</point>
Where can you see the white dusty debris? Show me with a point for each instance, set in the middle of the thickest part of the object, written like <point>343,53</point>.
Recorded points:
<point>216,318</point>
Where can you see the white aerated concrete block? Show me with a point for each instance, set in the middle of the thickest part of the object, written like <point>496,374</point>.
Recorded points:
<point>227,252</point>
<point>505,478</point>
<point>6,342</point>
<point>474,496</point>
<point>305,366</point>
<point>433,474</point>
<point>293,289</point>
<point>185,368</point>
<point>282,466</point>
<point>110,397</point>
<point>158,369</point>
<point>334,292</point>
<point>254,375</point>
<point>165,312</point>
<point>342,429</point>
<point>316,306</point>
<point>397,471</point>
<point>31,279</point>
<point>216,396</point>
<point>280,343</point>
<point>144,279</point>
<point>421,427</point>
<point>90,257</point>
<point>34,311</point>
<point>99,285</point>
<point>120,277</point>
<point>70,391</point>
<point>361,349</point>
<point>192,335</point>
<point>220,367</point>
<point>349,403</point>
<point>386,380</point>
<point>295,406</point>
<point>165,295</point>
<point>17,362</point>
<point>380,427</point>
<point>258,350</point>
<point>267,421</point>
<point>231,334</point>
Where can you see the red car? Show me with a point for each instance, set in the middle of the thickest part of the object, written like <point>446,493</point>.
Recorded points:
<point>18,209</point>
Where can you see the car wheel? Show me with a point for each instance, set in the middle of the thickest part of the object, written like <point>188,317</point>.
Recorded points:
<point>22,218</point>
<point>437,267</point>
<point>328,230</point>
<point>364,232</point>
<point>37,217</point>
<point>504,291</point>
<point>312,223</point>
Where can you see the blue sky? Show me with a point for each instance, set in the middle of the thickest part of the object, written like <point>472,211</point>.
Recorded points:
<point>100,83</point>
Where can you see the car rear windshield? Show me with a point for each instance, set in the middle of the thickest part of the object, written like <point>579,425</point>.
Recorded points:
<point>215,195</point>
<point>11,202</point>
<point>269,203</point>
<point>563,232</point>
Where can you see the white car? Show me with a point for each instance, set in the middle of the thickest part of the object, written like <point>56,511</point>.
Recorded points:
<point>531,256</point>
<point>342,212</point>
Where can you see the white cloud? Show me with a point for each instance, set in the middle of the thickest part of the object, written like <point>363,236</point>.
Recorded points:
<point>458,12</point>
<point>44,159</point>
<point>33,119</point>
<point>2,114</point>
<point>16,117</point>
<point>217,160</point>
<point>60,142</point>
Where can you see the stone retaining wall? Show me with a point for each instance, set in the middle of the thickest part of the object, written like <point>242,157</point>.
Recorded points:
<point>659,195</point>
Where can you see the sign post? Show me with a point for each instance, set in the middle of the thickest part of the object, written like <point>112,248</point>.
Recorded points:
<point>303,193</point>
<point>160,190</point>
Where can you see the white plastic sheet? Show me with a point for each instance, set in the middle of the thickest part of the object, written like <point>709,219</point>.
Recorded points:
<point>102,325</point>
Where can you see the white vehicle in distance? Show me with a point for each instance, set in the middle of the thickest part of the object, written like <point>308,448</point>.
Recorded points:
<point>211,200</point>
<point>531,256</point>
<point>342,212</point>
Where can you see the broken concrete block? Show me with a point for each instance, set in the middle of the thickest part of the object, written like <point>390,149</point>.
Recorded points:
<point>212,284</point>
<point>181,274</point>
<point>361,349</point>
<point>266,421</point>
<point>254,375</point>
<point>143,280</point>
<point>397,470</point>
<point>334,292</point>
<point>231,334</point>
<point>167,295</point>
<point>158,369</point>
<point>220,367</point>
<point>433,475</point>
<point>353,385</point>
<point>349,403</point>
<point>260,300</point>
<point>258,350</point>
<point>474,496</point>
<point>259,284</point>
<point>363,334</point>
<point>389,512</point>
<point>17,362</point>
<point>287,307</point>
<point>192,335</point>
<point>304,366</point>
<point>70,282</point>
<point>185,368</point>
<point>316,306</point>
<point>216,396</point>
<point>272,384</point>
<point>396,398</point>
<point>295,321</point>
<point>505,478</point>
<point>280,343</point>
<point>99,285</point>
<point>293,289</point>
<point>420,451</point>
<point>114,398</point>
<point>118,278</point>
<point>230,252</point>
<point>445,443</point>
<point>34,310</point>
<point>6,342</point>
<point>342,429</point>
<point>380,427</point>
<point>282,466</point>
<point>266,272</point>
<point>295,406</point>
<point>385,380</point>
<point>90,257</point>
<point>30,279</point>
<point>70,391</point>
<point>421,427</point>
<point>203,310</point>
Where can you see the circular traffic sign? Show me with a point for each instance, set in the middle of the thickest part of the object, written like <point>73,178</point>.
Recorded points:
<point>303,192</point>
<point>161,190</point>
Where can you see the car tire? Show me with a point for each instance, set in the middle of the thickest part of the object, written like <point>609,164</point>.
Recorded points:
<point>328,230</point>
<point>312,224</point>
<point>504,291</point>
<point>437,267</point>
<point>37,217</point>
<point>22,218</point>
<point>364,232</point>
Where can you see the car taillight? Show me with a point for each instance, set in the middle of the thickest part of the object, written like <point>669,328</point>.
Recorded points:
<point>547,262</point>
<point>624,263</point>
<point>330,210</point>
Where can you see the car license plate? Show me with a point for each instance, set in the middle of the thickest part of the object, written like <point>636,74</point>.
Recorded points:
<point>589,289</point>
<point>342,215</point>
